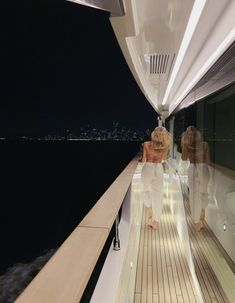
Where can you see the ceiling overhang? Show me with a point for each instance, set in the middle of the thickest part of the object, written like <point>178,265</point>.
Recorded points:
<point>169,45</point>
<point>220,75</point>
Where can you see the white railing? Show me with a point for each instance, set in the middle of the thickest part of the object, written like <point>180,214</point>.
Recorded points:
<point>117,279</point>
<point>64,278</point>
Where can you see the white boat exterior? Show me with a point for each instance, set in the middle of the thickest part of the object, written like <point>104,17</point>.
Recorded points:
<point>169,45</point>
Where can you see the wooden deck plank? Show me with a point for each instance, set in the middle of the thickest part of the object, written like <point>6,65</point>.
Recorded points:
<point>171,285</point>
<point>173,261</point>
<point>217,296</point>
<point>198,268</point>
<point>179,263</point>
<point>138,283</point>
<point>150,285</point>
<point>164,263</point>
<point>137,298</point>
<point>206,248</point>
<point>186,272</point>
<point>180,299</point>
<point>144,276</point>
<point>154,261</point>
<point>149,246</point>
<point>202,265</point>
<point>165,273</point>
<point>170,260</point>
<point>155,298</point>
<point>224,276</point>
<point>206,296</point>
<point>217,290</point>
<point>208,285</point>
<point>159,268</point>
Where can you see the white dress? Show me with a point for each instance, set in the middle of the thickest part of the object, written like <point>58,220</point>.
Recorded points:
<point>152,180</point>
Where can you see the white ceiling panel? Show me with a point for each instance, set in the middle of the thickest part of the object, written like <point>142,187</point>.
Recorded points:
<point>151,35</point>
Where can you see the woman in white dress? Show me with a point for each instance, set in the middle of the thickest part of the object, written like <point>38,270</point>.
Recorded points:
<point>154,152</point>
<point>197,152</point>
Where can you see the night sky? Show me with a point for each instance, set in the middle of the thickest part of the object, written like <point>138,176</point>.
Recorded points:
<point>62,68</point>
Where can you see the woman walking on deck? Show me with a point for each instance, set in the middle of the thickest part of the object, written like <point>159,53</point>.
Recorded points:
<point>154,152</point>
<point>197,152</point>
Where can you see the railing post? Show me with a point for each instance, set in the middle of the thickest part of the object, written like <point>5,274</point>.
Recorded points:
<point>116,240</point>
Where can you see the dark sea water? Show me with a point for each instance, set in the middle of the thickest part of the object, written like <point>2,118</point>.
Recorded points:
<point>46,190</point>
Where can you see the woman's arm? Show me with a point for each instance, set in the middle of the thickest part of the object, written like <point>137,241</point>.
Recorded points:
<point>144,153</point>
<point>207,153</point>
<point>165,153</point>
<point>184,148</point>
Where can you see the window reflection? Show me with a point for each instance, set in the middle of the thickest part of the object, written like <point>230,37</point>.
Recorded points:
<point>196,151</point>
<point>204,148</point>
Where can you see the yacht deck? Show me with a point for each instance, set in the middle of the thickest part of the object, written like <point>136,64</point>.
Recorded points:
<point>163,273</point>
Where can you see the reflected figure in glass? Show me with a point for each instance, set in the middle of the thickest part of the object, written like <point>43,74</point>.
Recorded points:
<point>154,152</point>
<point>196,151</point>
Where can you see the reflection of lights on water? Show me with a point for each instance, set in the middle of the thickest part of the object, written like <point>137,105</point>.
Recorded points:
<point>224,227</point>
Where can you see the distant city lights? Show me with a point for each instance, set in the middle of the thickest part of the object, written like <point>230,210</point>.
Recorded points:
<point>89,133</point>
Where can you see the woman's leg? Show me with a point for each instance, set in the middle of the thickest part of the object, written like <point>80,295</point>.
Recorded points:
<point>204,175</point>
<point>149,212</point>
<point>191,173</point>
<point>157,193</point>
<point>194,194</point>
<point>146,177</point>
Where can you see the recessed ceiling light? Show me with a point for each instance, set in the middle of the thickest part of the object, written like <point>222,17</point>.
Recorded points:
<point>215,55</point>
<point>192,23</point>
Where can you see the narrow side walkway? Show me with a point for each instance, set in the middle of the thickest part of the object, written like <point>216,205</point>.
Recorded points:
<point>212,264</point>
<point>163,275</point>
<point>162,271</point>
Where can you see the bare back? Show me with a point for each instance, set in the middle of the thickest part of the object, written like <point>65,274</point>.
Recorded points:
<point>199,154</point>
<point>151,154</point>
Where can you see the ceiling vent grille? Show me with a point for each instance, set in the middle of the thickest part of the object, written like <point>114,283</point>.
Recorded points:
<point>159,63</point>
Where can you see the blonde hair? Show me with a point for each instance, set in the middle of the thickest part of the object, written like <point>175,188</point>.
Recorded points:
<point>192,137</point>
<point>160,137</point>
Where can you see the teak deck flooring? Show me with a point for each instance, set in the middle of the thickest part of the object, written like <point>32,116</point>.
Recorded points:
<point>163,275</point>
<point>208,253</point>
